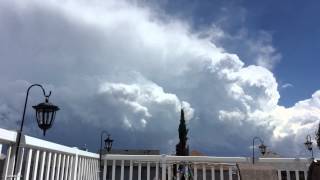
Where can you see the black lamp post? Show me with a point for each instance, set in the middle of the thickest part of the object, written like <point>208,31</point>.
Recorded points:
<point>308,144</point>
<point>262,147</point>
<point>107,145</point>
<point>45,114</point>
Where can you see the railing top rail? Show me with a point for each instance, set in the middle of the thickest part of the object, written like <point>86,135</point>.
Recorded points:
<point>208,159</point>
<point>7,136</point>
<point>284,160</point>
<point>211,159</point>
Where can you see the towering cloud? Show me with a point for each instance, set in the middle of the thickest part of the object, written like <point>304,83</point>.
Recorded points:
<point>117,66</point>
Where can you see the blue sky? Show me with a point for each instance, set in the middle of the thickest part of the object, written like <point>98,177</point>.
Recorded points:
<point>293,25</point>
<point>239,69</point>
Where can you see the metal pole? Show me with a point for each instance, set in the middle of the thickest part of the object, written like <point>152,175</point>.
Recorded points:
<point>22,122</point>
<point>253,150</point>
<point>255,138</point>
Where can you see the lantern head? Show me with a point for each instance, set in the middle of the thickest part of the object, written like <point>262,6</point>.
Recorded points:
<point>45,114</point>
<point>108,143</point>
<point>263,149</point>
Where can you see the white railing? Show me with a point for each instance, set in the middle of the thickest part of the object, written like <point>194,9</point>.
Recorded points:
<point>156,167</point>
<point>43,160</point>
<point>166,167</point>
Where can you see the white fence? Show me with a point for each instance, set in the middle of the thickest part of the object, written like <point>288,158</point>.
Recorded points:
<point>43,160</point>
<point>140,167</point>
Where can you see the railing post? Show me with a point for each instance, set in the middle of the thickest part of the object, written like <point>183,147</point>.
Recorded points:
<point>148,171</point>
<point>164,166</point>
<point>204,170</point>
<point>7,163</point>
<point>288,174</point>
<point>20,163</point>
<point>48,166</point>
<point>221,172</point>
<point>105,166</point>
<point>131,170</point>
<point>195,172</point>
<point>71,165</point>
<point>230,173</point>
<point>297,175</point>
<point>169,172</point>
<point>213,177</point>
<point>42,163</point>
<point>157,170</point>
<point>279,174</point>
<point>122,170</point>
<point>139,171</point>
<point>28,164</point>
<point>114,170</point>
<point>35,165</point>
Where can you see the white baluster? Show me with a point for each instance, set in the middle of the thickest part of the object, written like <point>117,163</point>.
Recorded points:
<point>139,171</point>
<point>80,165</point>
<point>169,172</point>
<point>148,171</point>
<point>20,162</point>
<point>122,170</point>
<point>114,170</point>
<point>221,172</point>
<point>164,168</point>
<point>195,172</point>
<point>279,175</point>
<point>91,169</point>
<point>42,162</point>
<point>58,167</point>
<point>230,173</point>
<point>305,175</point>
<point>157,170</point>
<point>288,174</point>
<point>86,169</point>
<point>66,171</point>
<point>297,174</point>
<point>27,166</point>
<point>62,167</point>
<point>105,167</point>
<point>9,163</point>
<point>35,165</point>
<point>48,166</point>
<point>213,173</point>
<point>204,172</point>
<point>75,165</point>
<point>71,169</point>
<point>177,171</point>
<point>53,167</point>
<point>131,170</point>
<point>97,170</point>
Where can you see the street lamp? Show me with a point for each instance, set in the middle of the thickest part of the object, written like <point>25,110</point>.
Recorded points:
<point>107,145</point>
<point>262,147</point>
<point>45,114</point>
<point>308,144</point>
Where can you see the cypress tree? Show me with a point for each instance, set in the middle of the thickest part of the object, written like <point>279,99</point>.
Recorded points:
<point>318,136</point>
<point>182,148</point>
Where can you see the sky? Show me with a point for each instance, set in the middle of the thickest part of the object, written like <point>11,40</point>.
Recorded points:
<point>239,69</point>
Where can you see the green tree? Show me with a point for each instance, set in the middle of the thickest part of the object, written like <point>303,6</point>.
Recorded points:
<point>182,148</point>
<point>318,136</point>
